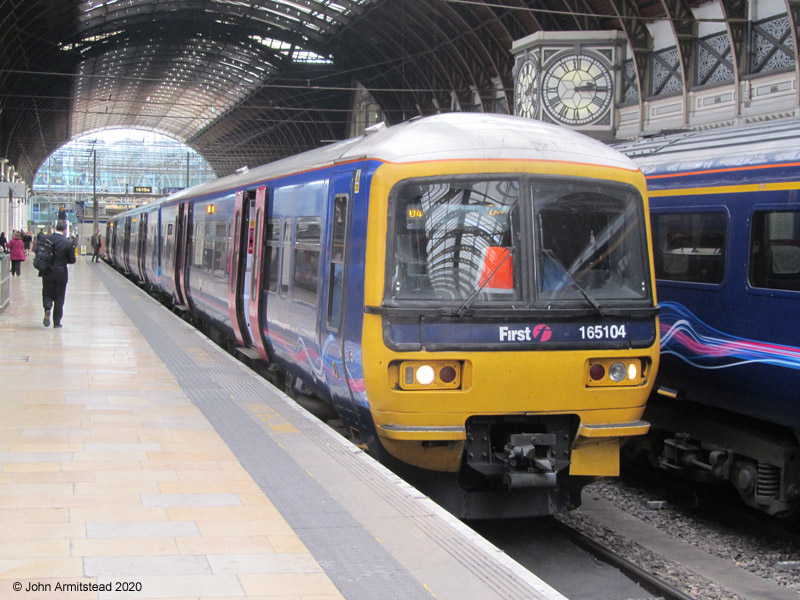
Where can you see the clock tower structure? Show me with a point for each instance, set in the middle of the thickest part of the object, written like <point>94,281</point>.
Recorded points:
<point>570,78</point>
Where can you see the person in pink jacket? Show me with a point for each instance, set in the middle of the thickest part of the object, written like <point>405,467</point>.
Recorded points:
<point>17,249</point>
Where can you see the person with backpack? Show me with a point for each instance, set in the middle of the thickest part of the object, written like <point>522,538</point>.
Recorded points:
<point>40,236</point>
<point>54,279</point>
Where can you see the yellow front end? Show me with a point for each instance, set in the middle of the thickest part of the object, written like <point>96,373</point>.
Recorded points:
<point>423,401</point>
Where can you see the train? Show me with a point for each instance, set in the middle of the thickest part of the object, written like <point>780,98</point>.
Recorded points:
<point>726,241</point>
<point>471,294</point>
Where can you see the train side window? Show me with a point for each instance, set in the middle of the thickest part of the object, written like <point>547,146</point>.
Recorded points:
<point>169,242</point>
<point>272,258</point>
<point>221,242</point>
<point>257,256</point>
<point>197,236</point>
<point>286,261</point>
<point>775,250</point>
<point>209,240</point>
<point>339,229</point>
<point>306,260</point>
<point>690,246</point>
<point>237,229</point>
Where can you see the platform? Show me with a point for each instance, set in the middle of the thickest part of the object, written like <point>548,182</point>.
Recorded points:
<point>139,460</point>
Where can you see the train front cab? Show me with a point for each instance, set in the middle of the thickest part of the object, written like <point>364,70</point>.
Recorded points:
<point>510,336</point>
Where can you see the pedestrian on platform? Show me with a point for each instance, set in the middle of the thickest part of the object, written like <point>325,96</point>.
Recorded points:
<point>40,236</point>
<point>54,283</point>
<point>17,250</point>
<point>3,242</point>
<point>27,240</point>
<point>96,242</point>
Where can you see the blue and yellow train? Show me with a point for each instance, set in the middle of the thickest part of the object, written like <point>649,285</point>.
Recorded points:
<point>726,241</point>
<point>472,294</point>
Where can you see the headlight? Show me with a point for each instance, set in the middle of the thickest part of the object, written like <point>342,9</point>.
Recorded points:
<point>426,375</point>
<point>633,371</point>
<point>615,372</point>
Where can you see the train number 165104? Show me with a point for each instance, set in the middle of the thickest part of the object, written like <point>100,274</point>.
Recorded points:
<point>603,332</point>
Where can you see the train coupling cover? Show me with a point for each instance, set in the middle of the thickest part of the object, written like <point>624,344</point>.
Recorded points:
<point>529,461</point>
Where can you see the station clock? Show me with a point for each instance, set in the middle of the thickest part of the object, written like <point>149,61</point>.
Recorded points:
<point>570,78</point>
<point>526,90</point>
<point>577,89</point>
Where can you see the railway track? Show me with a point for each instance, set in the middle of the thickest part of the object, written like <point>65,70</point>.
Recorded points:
<point>572,563</point>
<point>641,577</point>
<point>618,546</point>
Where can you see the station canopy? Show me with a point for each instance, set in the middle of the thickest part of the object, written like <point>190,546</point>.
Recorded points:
<point>244,82</point>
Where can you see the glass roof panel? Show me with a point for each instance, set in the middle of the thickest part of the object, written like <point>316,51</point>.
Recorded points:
<point>162,64</point>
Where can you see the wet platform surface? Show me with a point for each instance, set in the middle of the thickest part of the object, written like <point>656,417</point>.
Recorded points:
<point>139,460</point>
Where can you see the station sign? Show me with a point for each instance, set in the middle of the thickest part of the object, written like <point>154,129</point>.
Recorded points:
<point>142,189</point>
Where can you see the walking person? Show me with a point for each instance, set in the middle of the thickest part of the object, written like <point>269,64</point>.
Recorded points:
<point>54,281</point>
<point>17,250</point>
<point>96,243</point>
<point>27,240</point>
<point>40,236</point>
<point>3,242</point>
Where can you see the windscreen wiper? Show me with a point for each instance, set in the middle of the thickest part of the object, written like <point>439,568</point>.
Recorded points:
<point>471,298</point>
<point>572,281</point>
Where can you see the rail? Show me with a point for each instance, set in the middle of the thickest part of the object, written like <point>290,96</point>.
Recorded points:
<point>644,578</point>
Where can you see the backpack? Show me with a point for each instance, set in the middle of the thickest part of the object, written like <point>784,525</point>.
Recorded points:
<point>43,258</point>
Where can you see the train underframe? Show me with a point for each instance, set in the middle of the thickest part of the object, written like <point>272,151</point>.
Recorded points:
<point>516,452</point>
<point>512,466</point>
<point>760,460</point>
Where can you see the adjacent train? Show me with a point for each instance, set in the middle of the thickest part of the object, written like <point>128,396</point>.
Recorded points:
<point>473,294</point>
<point>726,241</point>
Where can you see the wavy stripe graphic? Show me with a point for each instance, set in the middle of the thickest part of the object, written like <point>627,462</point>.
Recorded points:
<point>308,357</point>
<point>700,345</point>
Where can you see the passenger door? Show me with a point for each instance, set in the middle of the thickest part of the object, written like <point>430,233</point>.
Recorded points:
<point>141,246</point>
<point>255,301</point>
<point>126,245</point>
<point>334,298</point>
<point>237,267</point>
<point>182,252</point>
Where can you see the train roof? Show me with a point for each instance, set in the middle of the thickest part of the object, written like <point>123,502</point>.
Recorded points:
<point>450,136</point>
<point>743,146</point>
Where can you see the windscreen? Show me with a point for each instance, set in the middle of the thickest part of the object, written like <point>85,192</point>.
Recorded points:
<point>454,238</point>
<point>590,240</point>
<point>516,241</point>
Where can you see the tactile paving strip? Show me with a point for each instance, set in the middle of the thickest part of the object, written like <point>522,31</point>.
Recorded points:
<point>356,563</point>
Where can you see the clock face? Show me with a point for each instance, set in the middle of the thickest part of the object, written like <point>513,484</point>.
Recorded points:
<point>577,89</point>
<point>526,90</point>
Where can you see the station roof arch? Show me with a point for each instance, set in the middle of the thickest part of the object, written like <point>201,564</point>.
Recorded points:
<point>244,82</point>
